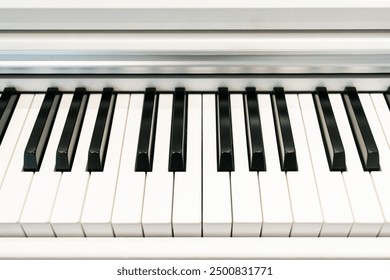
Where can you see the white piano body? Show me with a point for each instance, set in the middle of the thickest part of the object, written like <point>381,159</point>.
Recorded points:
<point>199,45</point>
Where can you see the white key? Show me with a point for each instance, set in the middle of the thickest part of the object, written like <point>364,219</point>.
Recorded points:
<point>127,212</point>
<point>157,211</point>
<point>383,113</point>
<point>99,200</point>
<point>187,197</point>
<point>37,210</point>
<point>217,211</point>
<point>336,210</point>
<point>367,214</point>
<point>380,178</point>
<point>16,184</point>
<point>15,126</point>
<point>306,208</point>
<point>277,216</point>
<point>68,207</point>
<point>246,204</point>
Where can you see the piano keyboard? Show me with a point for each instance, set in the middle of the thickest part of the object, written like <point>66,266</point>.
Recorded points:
<point>223,135</point>
<point>181,163</point>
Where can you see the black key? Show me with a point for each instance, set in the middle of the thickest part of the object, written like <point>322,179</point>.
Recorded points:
<point>224,131</point>
<point>147,134</point>
<point>387,97</point>
<point>287,153</point>
<point>8,101</point>
<point>99,142</point>
<point>330,133</point>
<point>4,99</point>
<point>178,145</point>
<point>364,140</point>
<point>36,145</point>
<point>70,135</point>
<point>254,135</point>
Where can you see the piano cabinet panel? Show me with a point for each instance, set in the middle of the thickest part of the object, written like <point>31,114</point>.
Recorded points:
<point>194,248</point>
<point>196,83</point>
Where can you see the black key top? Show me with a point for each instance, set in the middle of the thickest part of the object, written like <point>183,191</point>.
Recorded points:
<point>70,135</point>
<point>4,99</point>
<point>8,101</point>
<point>330,133</point>
<point>254,135</point>
<point>178,145</point>
<point>224,131</point>
<point>99,142</point>
<point>364,140</point>
<point>147,134</point>
<point>287,153</point>
<point>387,97</point>
<point>36,145</point>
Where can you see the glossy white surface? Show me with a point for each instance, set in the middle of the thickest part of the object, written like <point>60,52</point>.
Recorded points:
<point>129,196</point>
<point>196,52</point>
<point>99,200</point>
<point>305,203</point>
<point>368,218</point>
<point>193,15</point>
<point>187,195</point>
<point>195,248</point>
<point>246,200</point>
<point>14,129</point>
<point>333,196</point>
<point>16,182</point>
<point>380,178</point>
<point>68,207</point>
<point>275,197</point>
<point>35,218</point>
<point>157,208</point>
<point>217,215</point>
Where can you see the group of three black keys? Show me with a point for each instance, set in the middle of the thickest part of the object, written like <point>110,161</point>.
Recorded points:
<point>36,145</point>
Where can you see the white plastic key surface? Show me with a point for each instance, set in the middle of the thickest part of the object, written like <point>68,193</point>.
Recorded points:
<point>16,184</point>
<point>383,113</point>
<point>127,212</point>
<point>336,210</point>
<point>276,208</point>
<point>306,207</point>
<point>187,196</point>
<point>380,178</point>
<point>98,205</point>
<point>157,211</point>
<point>217,211</point>
<point>66,215</point>
<point>38,207</point>
<point>368,218</point>
<point>15,126</point>
<point>246,203</point>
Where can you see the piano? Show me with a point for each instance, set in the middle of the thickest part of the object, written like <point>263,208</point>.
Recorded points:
<point>194,129</point>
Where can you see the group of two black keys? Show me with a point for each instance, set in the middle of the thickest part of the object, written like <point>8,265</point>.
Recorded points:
<point>36,146</point>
